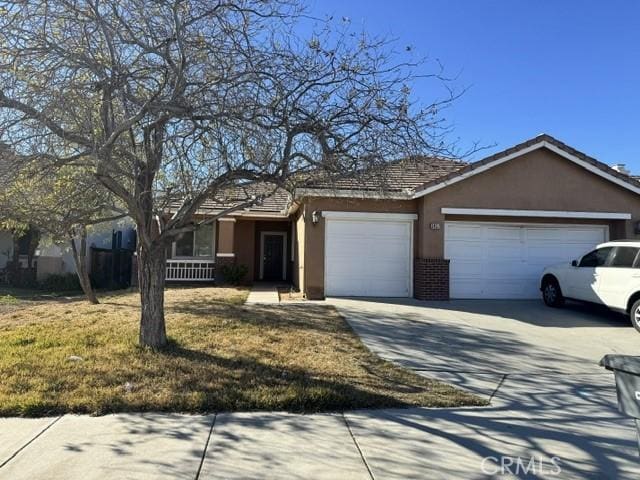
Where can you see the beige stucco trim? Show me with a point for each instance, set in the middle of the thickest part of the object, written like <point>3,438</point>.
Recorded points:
<point>262,215</point>
<point>346,193</point>
<point>340,215</point>
<point>497,212</point>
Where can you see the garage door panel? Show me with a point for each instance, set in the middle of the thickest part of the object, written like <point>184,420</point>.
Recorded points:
<point>506,261</point>
<point>368,258</point>
<point>502,233</point>
<point>499,270</point>
<point>470,250</point>
<point>503,251</point>
<point>546,235</point>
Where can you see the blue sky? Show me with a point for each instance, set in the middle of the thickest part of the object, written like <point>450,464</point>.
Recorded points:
<point>570,68</point>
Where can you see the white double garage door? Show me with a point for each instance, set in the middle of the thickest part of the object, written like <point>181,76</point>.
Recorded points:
<point>507,260</point>
<point>372,256</point>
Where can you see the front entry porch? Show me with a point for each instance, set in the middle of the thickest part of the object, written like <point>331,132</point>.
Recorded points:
<point>190,270</point>
<point>263,247</point>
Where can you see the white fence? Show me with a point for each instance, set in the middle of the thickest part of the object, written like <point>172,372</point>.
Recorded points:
<point>190,270</point>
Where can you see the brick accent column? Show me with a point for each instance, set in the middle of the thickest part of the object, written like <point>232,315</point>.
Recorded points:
<point>431,279</point>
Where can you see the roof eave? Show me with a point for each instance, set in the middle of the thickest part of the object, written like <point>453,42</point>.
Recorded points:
<point>301,193</point>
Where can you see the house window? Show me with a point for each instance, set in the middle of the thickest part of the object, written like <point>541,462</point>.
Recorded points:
<point>197,243</point>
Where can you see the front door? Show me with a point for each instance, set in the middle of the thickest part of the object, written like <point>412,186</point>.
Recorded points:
<point>273,257</point>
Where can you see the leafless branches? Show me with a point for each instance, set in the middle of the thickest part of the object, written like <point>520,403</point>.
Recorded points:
<point>182,99</point>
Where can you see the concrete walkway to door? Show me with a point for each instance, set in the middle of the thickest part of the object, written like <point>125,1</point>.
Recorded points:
<point>537,366</point>
<point>264,294</point>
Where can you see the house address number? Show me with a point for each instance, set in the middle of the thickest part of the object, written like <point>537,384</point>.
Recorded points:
<point>434,226</point>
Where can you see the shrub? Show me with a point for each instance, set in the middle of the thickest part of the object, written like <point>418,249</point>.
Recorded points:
<point>65,282</point>
<point>234,274</point>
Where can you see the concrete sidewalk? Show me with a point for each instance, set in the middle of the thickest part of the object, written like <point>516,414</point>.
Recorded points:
<point>155,446</point>
<point>464,443</point>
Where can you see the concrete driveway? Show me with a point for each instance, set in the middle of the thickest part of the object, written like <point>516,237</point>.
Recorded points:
<point>537,366</point>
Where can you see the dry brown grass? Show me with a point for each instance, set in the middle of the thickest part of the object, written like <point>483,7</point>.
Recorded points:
<point>223,356</point>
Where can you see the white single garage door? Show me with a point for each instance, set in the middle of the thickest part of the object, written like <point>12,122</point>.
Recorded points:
<point>506,260</point>
<point>368,255</point>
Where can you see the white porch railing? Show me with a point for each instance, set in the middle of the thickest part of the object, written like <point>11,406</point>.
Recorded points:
<point>190,270</point>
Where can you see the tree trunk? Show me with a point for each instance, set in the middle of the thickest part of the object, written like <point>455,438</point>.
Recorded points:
<point>151,279</point>
<point>80,261</point>
<point>14,271</point>
<point>34,241</point>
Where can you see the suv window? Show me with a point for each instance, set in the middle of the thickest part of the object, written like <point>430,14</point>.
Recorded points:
<point>597,258</point>
<point>623,257</point>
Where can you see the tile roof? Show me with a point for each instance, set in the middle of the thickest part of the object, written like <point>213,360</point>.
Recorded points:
<point>407,177</point>
<point>275,200</point>
<point>401,176</point>
<point>394,177</point>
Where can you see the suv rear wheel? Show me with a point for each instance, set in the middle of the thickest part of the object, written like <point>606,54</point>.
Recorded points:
<point>634,314</point>
<point>551,293</point>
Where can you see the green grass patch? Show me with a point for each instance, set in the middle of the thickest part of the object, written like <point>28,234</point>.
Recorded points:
<point>8,300</point>
<point>70,356</point>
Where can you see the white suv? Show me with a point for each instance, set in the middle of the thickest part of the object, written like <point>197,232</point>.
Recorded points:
<point>609,275</point>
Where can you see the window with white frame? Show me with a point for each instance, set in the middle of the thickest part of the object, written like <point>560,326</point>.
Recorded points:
<point>197,243</point>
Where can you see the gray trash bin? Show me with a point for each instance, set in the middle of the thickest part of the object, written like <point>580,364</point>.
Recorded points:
<point>627,372</point>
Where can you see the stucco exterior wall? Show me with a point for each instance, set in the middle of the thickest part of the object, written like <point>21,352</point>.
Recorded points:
<point>299,248</point>
<point>314,234</point>
<point>226,233</point>
<point>244,245</point>
<point>51,266</point>
<point>540,180</point>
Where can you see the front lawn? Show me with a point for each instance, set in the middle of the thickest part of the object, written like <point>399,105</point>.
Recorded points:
<point>12,299</point>
<point>69,356</point>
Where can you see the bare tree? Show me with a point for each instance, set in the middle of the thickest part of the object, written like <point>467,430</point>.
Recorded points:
<point>177,100</point>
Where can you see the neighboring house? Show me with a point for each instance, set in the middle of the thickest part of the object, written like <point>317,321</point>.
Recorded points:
<point>53,259</point>
<point>440,229</point>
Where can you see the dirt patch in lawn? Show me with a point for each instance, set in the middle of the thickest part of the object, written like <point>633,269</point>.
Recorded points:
<point>223,356</point>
